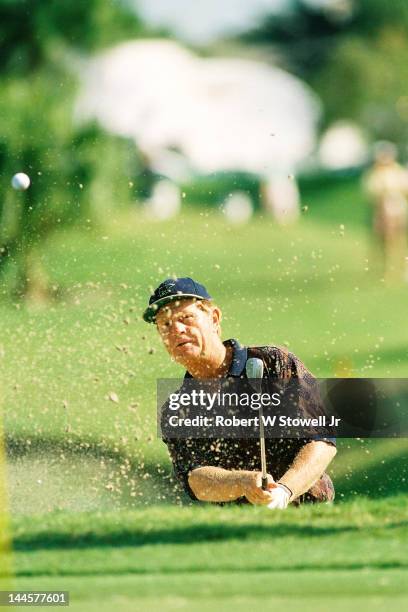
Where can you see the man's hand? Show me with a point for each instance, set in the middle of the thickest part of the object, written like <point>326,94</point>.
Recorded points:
<point>251,486</point>
<point>280,496</point>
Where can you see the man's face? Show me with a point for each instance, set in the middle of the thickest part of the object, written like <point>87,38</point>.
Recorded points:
<point>187,330</point>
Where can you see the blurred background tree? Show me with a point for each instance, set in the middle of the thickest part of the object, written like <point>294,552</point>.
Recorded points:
<point>32,31</point>
<point>71,166</point>
<point>354,53</point>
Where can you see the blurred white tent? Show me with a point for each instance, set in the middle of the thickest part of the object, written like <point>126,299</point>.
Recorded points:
<point>221,114</point>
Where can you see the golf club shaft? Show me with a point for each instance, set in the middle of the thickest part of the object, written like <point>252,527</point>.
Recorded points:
<point>263,451</point>
<point>254,370</point>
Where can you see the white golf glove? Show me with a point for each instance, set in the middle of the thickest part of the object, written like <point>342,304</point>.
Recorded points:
<point>280,496</point>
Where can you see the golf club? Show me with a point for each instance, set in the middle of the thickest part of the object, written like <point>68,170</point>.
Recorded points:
<point>254,371</point>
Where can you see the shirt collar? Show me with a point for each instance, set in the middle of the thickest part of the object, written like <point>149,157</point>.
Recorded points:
<point>239,358</point>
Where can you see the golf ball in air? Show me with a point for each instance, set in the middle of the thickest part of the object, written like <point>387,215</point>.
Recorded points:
<point>20,181</point>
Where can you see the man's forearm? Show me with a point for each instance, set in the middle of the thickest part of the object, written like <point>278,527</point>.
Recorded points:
<point>307,467</point>
<point>214,484</point>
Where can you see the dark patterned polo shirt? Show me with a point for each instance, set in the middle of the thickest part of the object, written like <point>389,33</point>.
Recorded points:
<point>244,454</point>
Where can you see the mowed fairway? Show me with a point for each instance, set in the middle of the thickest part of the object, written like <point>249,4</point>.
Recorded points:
<point>311,287</point>
<point>346,557</point>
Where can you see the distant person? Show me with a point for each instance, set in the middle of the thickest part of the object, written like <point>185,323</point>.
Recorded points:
<point>280,198</point>
<point>387,185</point>
<point>228,470</point>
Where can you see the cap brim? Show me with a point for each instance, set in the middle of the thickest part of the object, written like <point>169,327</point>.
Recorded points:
<point>151,311</point>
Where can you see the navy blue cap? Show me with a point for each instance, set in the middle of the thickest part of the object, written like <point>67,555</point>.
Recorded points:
<point>174,289</point>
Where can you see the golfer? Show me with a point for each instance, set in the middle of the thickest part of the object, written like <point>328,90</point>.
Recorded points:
<point>228,470</point>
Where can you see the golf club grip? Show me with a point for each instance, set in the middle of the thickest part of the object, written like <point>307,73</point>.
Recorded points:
<point>264,483</point>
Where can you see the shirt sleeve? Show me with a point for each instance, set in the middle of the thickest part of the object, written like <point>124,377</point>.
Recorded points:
<point>185,456</point>
<point>331,441</point>
<point>310,399</point>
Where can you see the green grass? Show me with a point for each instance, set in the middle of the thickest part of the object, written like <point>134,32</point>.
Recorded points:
<point>350,555</point>
<point>307,287</point>
<point>72,450</point>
